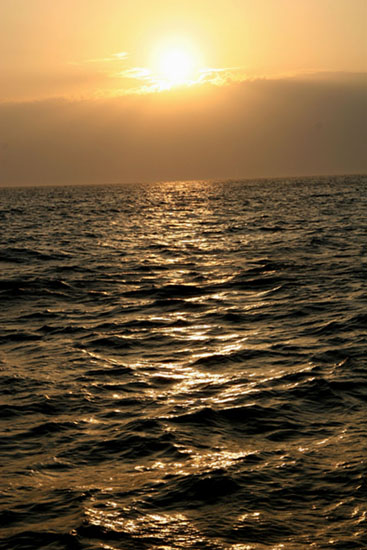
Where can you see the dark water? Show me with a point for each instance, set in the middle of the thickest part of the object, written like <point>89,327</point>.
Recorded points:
<point>183,365</point>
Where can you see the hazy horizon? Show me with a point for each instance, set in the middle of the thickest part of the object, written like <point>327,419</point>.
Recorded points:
<point>253,129</point>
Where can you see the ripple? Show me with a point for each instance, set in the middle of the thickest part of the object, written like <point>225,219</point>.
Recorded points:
<point>182,365</point>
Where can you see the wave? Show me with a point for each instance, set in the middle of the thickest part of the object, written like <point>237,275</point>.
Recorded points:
<point>182,365</point>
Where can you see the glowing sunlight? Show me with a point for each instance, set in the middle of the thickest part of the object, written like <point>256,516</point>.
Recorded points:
<point>175,63</point>
<point>176,66</point>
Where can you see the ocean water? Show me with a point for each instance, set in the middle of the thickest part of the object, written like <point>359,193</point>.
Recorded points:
<point>183,366</point>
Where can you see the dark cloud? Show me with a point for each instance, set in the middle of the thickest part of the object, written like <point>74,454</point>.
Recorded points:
<point>309,125</point>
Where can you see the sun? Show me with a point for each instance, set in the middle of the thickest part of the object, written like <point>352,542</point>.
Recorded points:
<point>175,64</point>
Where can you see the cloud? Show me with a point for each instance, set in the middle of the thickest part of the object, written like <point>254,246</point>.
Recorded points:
<point>221,76</point>
<point>152,83</point>
<point>288,126</point>
<point>137,73</point>
<point>119,56</point>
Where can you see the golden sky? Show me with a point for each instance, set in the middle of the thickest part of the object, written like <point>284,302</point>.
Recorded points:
<point>98,47</point>
<point>130,90</point>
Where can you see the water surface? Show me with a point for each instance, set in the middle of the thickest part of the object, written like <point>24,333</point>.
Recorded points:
<point>183,366</point>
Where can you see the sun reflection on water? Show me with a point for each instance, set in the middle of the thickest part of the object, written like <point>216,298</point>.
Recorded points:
<point>167,526</point>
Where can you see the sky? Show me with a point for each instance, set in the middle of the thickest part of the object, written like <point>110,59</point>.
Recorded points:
<point>95,91</point>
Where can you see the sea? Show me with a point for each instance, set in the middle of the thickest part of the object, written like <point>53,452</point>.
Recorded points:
<point>183,365</point>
